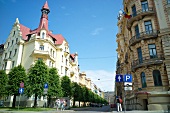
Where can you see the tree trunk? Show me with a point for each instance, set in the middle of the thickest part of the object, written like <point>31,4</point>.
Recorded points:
<point>74,101</point>
<point>49,101</point>
<point>84,104</point>
<point>14,100</point>
<point>35,101</point>
<point>79,103</point>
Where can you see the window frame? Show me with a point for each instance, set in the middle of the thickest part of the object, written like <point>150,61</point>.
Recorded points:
<point>143,80</point>
<point>152,49</point>
<point>157,78</point>
<point>41,47</point>
<point>144,5</point>
<point>148,27</point>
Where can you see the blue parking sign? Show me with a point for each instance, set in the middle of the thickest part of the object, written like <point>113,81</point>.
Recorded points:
<point>127,78</point>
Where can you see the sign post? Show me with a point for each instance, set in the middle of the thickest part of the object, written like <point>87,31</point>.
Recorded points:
<point>127,80</point>
<point>45,92</point>
<point>21,90</point>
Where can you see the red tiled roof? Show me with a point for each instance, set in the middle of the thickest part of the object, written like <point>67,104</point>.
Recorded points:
<point>72,55</point>
<point>45,6</point>
<point>59,39</point>
<point>25,31</point>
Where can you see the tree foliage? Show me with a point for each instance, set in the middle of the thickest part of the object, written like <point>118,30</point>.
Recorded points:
<point>16,76</point>
<point>3,83</point>
<point>37,77</point>
<point>76,91</point>
<point>54,89</point>
<point>66,86</point>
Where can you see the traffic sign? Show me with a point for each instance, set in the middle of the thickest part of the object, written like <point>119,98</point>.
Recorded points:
<point>22,84</point>
<point>46,85</point>
<point>119,78</point>
<point>127,78</point>
<point>21,90</point>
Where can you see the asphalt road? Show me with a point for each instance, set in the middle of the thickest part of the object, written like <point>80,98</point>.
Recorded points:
<point>104,109</point>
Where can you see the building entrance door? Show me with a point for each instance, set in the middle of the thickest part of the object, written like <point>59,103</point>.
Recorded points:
<point>145,104</point>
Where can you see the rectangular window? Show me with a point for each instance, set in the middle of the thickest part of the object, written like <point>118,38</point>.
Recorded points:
<point>134,11</point>
<point>49,63</point>
<point>5,56</point>
<point>16,40</point>
<point>15,52</point>
<point>10,54</point>
<point>40,59</point>
<point>13,62</point>
<point>144,5</point>
<point>8,44</point>
<point>65,72</point>
<point>140,55</point>
<point>41,47</point>
<point>5,66</point>
<point>12,42</point>
<point>152,50</point>
<point>148,27</point>
<point>61,69</point>
<point>137,31</point>
<point>53,53</point>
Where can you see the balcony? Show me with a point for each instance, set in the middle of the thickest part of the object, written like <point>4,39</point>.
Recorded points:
<point>40,52</point>
<point>146,61</point>
<point>138,15</point>
<point>66,53</point>
<point>143,36</point>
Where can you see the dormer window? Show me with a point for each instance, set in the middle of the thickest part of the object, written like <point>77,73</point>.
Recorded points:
<point>43,35</point>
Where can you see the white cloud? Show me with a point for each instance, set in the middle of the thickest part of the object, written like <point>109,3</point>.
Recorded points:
<point>97,31</point>
<point>105,80</point>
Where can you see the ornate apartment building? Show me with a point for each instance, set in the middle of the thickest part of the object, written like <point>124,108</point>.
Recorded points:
<point>25,46</point>
<point>144,52</point>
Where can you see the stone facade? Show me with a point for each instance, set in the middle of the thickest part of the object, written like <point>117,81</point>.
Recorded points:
<point>144,52</point>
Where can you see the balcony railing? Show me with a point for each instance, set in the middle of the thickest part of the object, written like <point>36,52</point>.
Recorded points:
<point>138,15</point>
<point>146,61</point>
<point>143,36</point>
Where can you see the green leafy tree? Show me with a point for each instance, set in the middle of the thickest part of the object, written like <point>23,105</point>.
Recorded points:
<point>75,92</point>
<point>54,89</point>
<point>66,86</point>
<point>3,83</point>
<point>16,76</point>
<point>37,77</point>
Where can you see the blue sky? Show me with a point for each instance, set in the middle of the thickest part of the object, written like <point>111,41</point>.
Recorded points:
<point>89,26</point>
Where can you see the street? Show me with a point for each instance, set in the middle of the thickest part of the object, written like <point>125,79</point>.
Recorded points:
<point>104,109</point>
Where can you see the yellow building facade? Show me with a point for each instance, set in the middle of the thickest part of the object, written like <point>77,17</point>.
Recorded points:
<point>144,52</point>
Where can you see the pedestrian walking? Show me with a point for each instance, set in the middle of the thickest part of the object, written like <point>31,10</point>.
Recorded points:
<point>119,102</point>
<point>58,104</point>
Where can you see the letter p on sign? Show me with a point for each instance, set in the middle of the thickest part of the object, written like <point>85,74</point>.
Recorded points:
<point>127,78</point>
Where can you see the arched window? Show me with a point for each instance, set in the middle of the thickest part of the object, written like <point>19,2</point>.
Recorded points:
<point>143,80</point>
<point>157,78</point>
<point>43,35</point>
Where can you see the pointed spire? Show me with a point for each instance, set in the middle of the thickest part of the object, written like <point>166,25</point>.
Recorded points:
<point>17,21</point>
<point>45,6</point>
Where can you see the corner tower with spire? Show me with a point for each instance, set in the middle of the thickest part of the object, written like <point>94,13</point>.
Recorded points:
<point>44,17</point>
